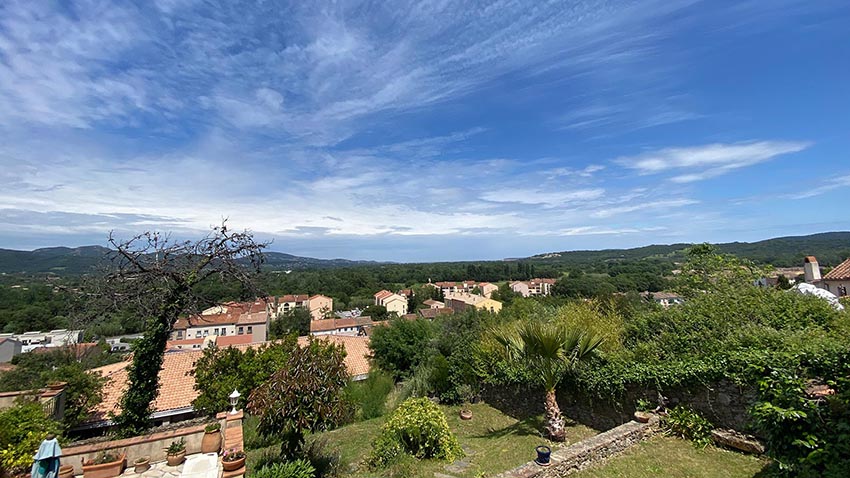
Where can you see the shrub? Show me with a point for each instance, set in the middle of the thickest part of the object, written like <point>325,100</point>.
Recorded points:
<point>417,427</point>
<point>305,395</point>
<point>402,345</point>
<point>22,428</point>
<point>370,395</point>
<point>686,423</point>
<point>291,469</point>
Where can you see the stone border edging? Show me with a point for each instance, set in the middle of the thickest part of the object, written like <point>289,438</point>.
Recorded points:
<point>585,453</point>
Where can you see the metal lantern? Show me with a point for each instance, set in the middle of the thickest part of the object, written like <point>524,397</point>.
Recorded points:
<point>234,400</point>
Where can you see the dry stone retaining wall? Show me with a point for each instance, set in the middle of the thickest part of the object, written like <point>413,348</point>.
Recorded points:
<point>585,453</point>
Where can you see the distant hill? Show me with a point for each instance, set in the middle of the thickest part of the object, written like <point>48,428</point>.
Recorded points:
<point>829,247</point>
<point>79,260</point>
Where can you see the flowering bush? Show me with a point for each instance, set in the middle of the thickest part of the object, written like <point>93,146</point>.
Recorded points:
<point>417,427</point>
<point>22,428</point>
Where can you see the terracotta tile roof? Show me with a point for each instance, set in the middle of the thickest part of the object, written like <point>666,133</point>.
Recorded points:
<point>231,340</point>
<point>317,296</point>
<point>176,390</point>
<point>183,343</point>
<point>255,318</point>
<point>324,325</point>
<point>293,298</point>
<point>356,348</point>
<point>383,294</point>
<point>409,316</point>
<point>840,272</point>
<point>432,302</point>
<point>810,259</point>
<point>432,313</point>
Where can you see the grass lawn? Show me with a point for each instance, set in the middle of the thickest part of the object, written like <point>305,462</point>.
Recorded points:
<point>665,456</point>
<point>494,442</point>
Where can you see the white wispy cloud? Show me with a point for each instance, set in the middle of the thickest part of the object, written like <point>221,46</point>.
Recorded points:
<point>707,161</point>
<point>828,185</point>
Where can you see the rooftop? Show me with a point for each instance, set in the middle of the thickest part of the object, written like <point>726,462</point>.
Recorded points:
<point>840,272</point>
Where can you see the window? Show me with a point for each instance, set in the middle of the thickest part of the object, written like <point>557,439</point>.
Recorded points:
<point>250,329</point>
<point>179,334</point>
<point>206,332</point>
<point>241,331</point>
<point>224,331</point>
<point>198,334</point>
<point>215,331</point>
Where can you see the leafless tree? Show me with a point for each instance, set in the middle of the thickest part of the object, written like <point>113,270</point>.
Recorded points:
<point>157,277</point>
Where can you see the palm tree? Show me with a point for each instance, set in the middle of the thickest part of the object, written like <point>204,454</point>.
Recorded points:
<point>548,350</point>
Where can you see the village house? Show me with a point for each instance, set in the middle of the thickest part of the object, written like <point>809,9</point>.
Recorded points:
<point>9,347</point>
<point>320,306</point>
<point>351,326</point>
<point>664,299</point>
<point>394,303</point>
<point>435,312</point>
<point>36,339</point>
<point>461,301</point>
<point>232,318</point>
<point>533,287</point>
<point>447,287</point>
<point>434,304</point>
<point>836,281</point>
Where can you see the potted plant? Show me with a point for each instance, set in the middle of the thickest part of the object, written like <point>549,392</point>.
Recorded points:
<point>233,459</point>
<point>104,465</point>
<point>465,393</point>
<point>642,411</point>
<point>142,464</point>
<point>211,442</point>
<point>544,454</point>
<point>175,453</point>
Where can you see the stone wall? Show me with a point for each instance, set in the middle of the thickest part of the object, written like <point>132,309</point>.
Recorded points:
<point>724,403</point>
<point>585,453</point>
<point>152,446</point>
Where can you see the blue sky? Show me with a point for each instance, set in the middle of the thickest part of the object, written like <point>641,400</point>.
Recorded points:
<point>425,130</point>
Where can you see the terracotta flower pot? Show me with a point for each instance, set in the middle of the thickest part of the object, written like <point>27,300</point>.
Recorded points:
<point>66,471</point>
<point>466,414</point>
<point>104,470</point>
<point>211,442</point>
<point>643,417</point>
<point>175,459</point>
<point>233,465</point>
<point>142,465</point>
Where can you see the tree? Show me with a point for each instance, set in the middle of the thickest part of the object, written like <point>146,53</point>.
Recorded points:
<point>378,313</point>
<point>305,395</point>
<point>221,370</point>
<point>708,271</point>
<point>158,278</point>
<point>296,321</point>
<point>548,350</point>
<point>402,345</point>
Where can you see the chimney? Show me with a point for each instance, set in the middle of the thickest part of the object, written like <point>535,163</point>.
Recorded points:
<point>811,269</point>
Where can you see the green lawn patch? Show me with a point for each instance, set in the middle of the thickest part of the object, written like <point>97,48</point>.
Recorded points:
<point>666,456</point>
<point>493,441</point>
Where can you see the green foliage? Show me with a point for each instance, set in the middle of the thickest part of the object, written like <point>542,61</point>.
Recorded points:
<point>221,370</point>
<point>805,435</point>
<point>685,423</point>
<point>548,350</point>
<point>708,271</point>
<point>143,377</point>
<point>370,395</point>
<point>22,428</point>
<point>296,321</point>
<point>402,345</point>
<point>305,395</point>
<point>83,390</point>
<point>292,469</point>
<point>212,427</point>
<point>176,447</point>
<point>419,428</point>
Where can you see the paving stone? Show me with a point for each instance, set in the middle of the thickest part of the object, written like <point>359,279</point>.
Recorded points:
<point>457,467</point>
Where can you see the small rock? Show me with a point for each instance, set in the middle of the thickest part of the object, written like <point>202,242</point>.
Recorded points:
<point>738,441</point>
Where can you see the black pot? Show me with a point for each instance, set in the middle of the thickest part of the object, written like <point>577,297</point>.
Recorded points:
<point>543,454</point>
